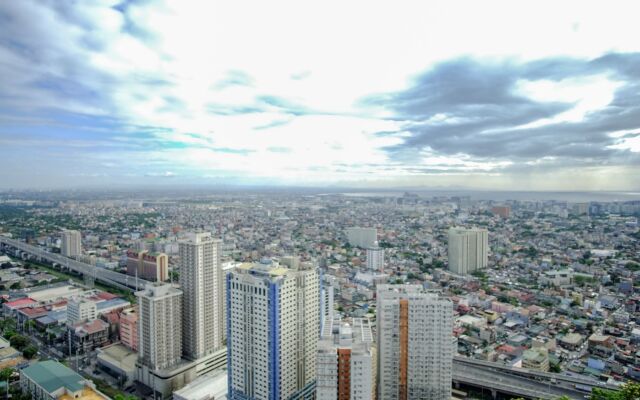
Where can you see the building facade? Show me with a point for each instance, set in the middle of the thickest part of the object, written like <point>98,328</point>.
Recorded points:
<point>346,361</point>
<point>375,258</point>
<point>468,250</point>
<point>415,346</point>
<point>273,327</point>
<point>362,237</point>
<point>153,267</point>
<point>159,333</point>
<point>81,310</point>
<point>71,243</point>
<point>201,280</point>
<point>129,328</point>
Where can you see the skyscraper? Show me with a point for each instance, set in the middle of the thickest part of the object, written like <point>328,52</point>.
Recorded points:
<point>159,335</point>
<point>468,250</point>
<point>201,281</point>
<point>346,361</point>
<point>415,347</point>
<point>71,243</point>
<point>326,304</point>
<point>273,326</point>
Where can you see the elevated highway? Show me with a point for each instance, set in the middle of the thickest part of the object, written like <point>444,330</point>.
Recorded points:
<point>501,379</point>
<point>116,279</point>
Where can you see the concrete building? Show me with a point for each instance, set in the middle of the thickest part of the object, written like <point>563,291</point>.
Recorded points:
<point>88,336</point>
<point>501,211</point>
<point>81,310</point>
<point>273,325</point>
<point>71,243</point>
<point>346,361</point>
<point>536,359</point>
<point>201,280</point>
<point>468,250</point>
<point>159,333</point>
<point>375,258</point>
<point>50,380</point>
<point>129,328</point>
<point>415,346</point>
<point>326,304</point>
<point>153,267</point>
<point>362,237</point>
<point>212,386</point>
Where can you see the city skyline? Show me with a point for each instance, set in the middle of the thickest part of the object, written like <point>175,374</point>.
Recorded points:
<point>437,95</point>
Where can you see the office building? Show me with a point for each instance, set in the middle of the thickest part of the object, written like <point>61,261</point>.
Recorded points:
<point>71,243</point>
<point>273,327</point>
<point>361,237</point>
<point>153,267</point>
<point>159,333</point>
<point>346,361</point>
<point>468,250</point>
<point>415,346</point>
<point>201,281</point>
<point>375,258</point>
<point>81,310</point>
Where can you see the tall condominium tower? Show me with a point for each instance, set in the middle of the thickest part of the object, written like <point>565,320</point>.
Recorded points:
<point>201,281</point>
<point>468,250</point>
<point>153,267</point>
<point>71,243</point>
<point>159,335</point>
<point>361,237</point>
<point>346,361</point>
<point>375,258</point>
<point>273,324</point>
<point>415,346</point>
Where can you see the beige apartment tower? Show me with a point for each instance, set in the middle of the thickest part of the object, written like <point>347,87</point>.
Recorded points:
<point>201,281</point>
<point>159,334</point>
<point>468,250</point>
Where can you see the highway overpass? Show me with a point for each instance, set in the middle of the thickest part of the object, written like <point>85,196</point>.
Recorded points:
<point>27,251</point>
<point>500,379</point>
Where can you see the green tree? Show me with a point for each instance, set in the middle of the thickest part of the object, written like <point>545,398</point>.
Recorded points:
<point>30,351</point>
<point>6,373</point>
<point>628,391</point>
<point>19,341</point>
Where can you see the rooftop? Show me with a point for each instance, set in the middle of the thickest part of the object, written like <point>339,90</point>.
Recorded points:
<point>51,376</point>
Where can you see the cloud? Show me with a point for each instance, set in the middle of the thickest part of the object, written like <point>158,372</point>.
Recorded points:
<point>478,109</point>
<point>410,96</point>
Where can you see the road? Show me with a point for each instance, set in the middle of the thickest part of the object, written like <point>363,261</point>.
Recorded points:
<point>109,277</point>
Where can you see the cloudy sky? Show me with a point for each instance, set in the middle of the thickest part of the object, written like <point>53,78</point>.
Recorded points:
<point>540,95</point>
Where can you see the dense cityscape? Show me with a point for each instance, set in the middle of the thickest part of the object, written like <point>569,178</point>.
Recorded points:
<point>319,200</point>
<point>285,294</point>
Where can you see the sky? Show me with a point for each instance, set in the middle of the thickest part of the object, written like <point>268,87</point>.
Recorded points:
<point>488,95</point>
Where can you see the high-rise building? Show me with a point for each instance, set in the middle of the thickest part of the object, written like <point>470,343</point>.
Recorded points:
<point>326,304</point>
<point>415,343</point>
<point>81,310</point>
<point>153,267</point>
<point>129,328</point>
<point>201,281</point>
<point>71,243</point>
<point>468,250</point>
<point>159,333</point>
<point>361,237</point>
<point>501,211</point>
<point>273,324</point>
<point>375,258</point>
<point>346,361</point>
